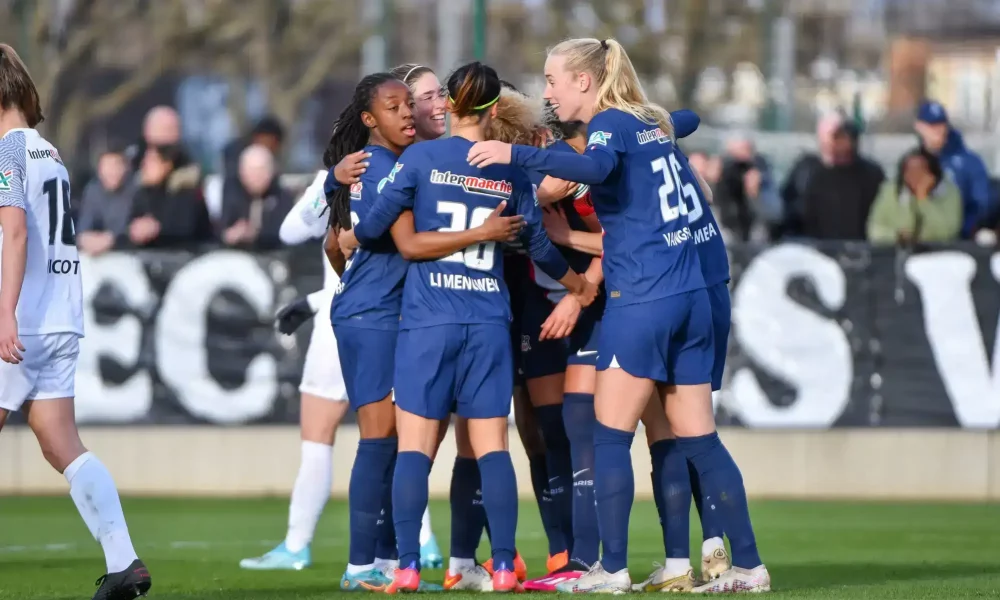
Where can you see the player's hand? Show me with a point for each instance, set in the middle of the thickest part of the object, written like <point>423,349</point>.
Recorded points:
<point>562,320</point>
<point>350,168</point>
<point>348,243</point>
<point>556,225</point>
<point>484,154</point>
<point>293,315</point>
<point>143,230</point>
<point>10,345</point>
<point>588,294</point>
<point>498,228</point>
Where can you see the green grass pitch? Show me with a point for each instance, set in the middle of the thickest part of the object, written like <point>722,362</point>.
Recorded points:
<point>192,547</point>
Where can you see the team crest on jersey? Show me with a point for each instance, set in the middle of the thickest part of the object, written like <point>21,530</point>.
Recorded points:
<point>356,191</point>
<point>474,185</point>
<point>599,138</point>
<point>6,177</point>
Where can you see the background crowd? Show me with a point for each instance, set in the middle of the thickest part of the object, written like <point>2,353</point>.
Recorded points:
<point>151,194</point>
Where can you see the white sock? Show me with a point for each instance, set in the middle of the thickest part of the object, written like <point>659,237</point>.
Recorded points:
<point>711,545</point>
<point>677,566</point>
<point>93,491</point>
<point>426,533</point>
<point>457,564</point>
<point>386,564</point>
<point>355,569</point>
<point>309,496</point>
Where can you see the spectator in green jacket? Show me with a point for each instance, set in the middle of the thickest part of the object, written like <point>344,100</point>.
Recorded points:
<point>921,206</point>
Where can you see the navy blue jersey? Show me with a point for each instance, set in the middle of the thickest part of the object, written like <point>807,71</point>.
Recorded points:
<point>370,292</point>
<point>435,180</point>
<point>645,199</point>
<point>707,237</point>
<point>578,261</point>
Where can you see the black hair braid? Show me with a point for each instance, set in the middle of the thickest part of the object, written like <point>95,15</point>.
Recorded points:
<point>350,135</point>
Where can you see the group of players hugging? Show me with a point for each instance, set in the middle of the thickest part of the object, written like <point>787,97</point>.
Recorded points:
<point>566,258</point>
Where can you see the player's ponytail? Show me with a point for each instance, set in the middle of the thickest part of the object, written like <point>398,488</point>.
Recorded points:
<point>618,84</point>
<point>350,135</point>
<point>17,90</point>
<point>473,89</point>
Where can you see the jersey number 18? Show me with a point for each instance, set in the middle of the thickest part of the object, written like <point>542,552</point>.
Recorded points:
<point>60,217</point>
<point>671,182</point>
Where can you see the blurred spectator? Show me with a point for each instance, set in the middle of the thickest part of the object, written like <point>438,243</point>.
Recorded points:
<point>254,205</point>
<point>160,127</point>
<point>268,132</point>
<point>837,198</point>
<point>748,202</point>
<point>921,206</point>
<point>709,167</point>
<point>106,205</point>
<point>802,173</point>
<point>964,166</point>
<point>168,208</point>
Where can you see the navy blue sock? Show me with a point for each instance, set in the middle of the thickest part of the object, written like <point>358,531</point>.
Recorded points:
<point>409,499</point>
<point>365,497</point>
<point>579,420</point>
<point>711,526</point>
<point>672,493</point>
<point>614,485</point>
<point>723,493</point>
<point>385,547</point>
<point>540,485</point>
<point>559,464</point>
<point>500,501</point>
<point>467,515</point>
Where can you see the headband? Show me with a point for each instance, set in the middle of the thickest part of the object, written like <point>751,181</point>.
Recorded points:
<point>481,106</point>
<point>412,69</point>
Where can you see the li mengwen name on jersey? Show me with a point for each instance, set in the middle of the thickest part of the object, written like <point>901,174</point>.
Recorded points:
<point>474,185</point>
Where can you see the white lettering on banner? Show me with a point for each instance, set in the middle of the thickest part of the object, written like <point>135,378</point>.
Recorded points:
<point>182,354</point>
<point>121,341</point>
<point>806,350</point>
<point>956,342</point>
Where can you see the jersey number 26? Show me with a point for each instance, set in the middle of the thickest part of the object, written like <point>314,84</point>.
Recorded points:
<point>671,182</point>
<point>477,256</point>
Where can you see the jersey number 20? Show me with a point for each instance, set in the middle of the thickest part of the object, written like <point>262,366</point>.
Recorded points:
<point>671,182</point>
<point>477,256</point>
<point>60,218</point>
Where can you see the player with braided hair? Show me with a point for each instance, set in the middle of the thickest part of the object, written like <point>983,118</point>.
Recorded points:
<point>365,313</point>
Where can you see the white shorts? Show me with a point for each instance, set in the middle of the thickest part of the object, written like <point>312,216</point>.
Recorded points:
<point>321,374</point>
<point>48,370</point>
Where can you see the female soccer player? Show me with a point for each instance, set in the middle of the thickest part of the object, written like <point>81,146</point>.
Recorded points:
<point>366,310</point>
<point>41,323</point>
<point>454,346</point>
<point>324,397</point>
<point>657,329</point>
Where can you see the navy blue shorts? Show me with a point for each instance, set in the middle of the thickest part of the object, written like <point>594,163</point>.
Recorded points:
<point>669,340</point>
<point>367,359</point>
<point>586,336</point>
<point>539,358</point>
<point>465,369</point>
<point>722,321</point>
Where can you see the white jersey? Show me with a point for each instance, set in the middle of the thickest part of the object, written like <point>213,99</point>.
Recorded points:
<point>33,177</point>
<point>308,220</point>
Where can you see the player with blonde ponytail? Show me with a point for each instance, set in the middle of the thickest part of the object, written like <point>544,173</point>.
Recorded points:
<point>658,331</point>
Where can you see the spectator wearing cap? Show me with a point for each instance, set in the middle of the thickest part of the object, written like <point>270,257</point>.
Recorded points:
<point>837,198</point>
<point>267,132</point>
<point>962,165</point>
